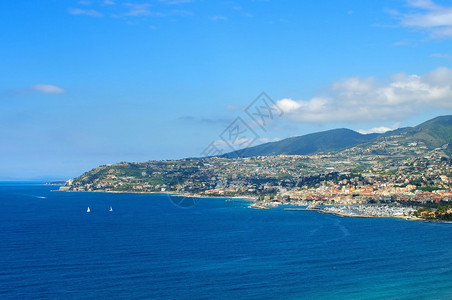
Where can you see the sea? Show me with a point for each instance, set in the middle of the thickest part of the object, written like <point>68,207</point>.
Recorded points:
<point>152,247</point>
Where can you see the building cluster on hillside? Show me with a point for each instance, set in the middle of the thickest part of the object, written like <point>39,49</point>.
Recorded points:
<point>383,173</point>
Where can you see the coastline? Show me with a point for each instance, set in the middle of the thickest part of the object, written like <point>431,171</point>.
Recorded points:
<point>255,205</point>
<point>174,194</point>
<point>324,211</point>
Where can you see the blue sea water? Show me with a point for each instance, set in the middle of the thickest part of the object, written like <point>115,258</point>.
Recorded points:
<point>149,248</point>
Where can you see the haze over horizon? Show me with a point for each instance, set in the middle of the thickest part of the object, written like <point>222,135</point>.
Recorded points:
<point>86,83</point>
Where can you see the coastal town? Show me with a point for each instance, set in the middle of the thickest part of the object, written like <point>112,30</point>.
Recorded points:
<point>382,179</point>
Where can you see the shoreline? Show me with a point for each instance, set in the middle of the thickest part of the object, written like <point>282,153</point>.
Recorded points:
<point>255,205</point>
<point>324,211</point>
<point>174,194</point>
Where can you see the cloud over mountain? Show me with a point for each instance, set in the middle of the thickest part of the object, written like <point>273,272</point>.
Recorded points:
<point>359,99</point>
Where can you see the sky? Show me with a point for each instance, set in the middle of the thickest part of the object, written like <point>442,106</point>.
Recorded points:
<point>92,82</point>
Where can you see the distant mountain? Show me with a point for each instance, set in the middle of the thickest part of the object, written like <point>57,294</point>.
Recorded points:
<point>433,134</point>
<point>325,141</point>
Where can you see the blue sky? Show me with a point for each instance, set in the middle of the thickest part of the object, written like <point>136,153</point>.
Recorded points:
<point>85,83</point>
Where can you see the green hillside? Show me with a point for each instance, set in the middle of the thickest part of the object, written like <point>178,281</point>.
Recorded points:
<point>325,141</point>
<point>433,133</point>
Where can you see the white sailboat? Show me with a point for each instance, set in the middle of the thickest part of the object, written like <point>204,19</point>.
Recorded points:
<point>111,209</point>
<point>88,210</point>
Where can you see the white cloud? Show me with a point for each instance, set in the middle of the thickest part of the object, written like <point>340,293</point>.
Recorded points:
<point>441,55</point>
<point>47,89</point>
<point>381,129</point>
<point>433,18</point>
<point>174,2</point>
<point>138,10</point>
<point>363,99</point>
<point>424,4</point>
<point>125,9</point>
<point>234,108</point>
<point>267,140</point>
<point>144,10</point>
<point>86,12</point>
<point>218,18</point>
<point>288,105</point>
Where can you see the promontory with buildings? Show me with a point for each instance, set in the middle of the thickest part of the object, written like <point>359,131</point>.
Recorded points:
<point>403,173</point>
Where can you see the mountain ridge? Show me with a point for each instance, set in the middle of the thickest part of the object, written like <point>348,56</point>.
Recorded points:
<point>324,141</point>
<point>433,133</point>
